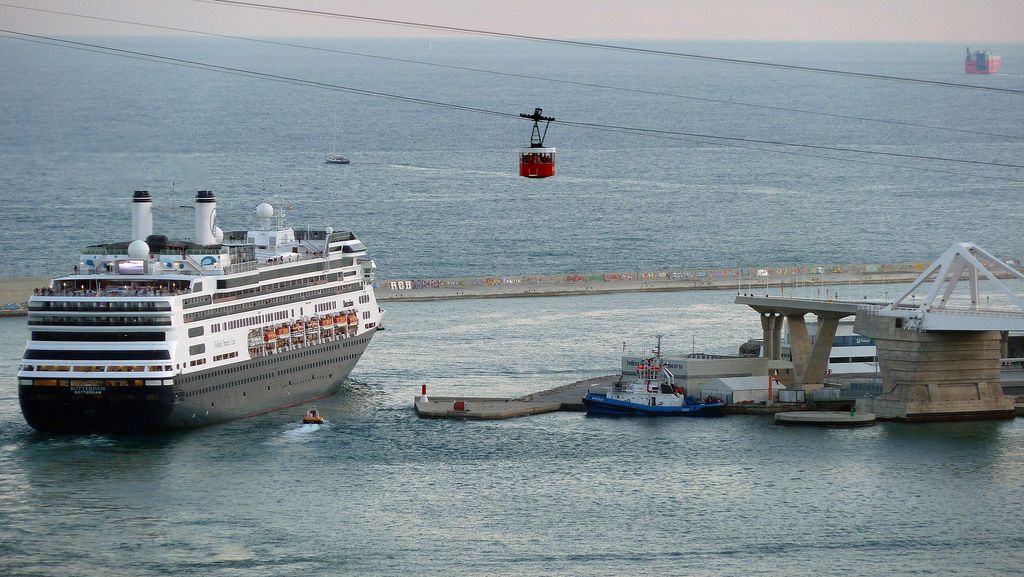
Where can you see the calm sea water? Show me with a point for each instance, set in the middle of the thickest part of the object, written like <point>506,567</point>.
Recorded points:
<point>433,193</point>
<point>379,491</point>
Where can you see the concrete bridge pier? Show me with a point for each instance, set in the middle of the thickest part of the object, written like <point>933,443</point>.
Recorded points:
<point>935,375</point>
<point>771,332</point>
<point>810,360</point>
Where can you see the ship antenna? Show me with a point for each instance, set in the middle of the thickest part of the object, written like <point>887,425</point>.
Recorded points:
<point>657,351</point>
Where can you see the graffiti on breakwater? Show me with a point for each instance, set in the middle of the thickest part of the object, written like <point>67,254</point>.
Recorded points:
<point>692,277</point>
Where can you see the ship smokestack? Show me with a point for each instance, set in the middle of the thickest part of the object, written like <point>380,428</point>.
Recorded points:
<point>142,215</point>
<point>206,215</point>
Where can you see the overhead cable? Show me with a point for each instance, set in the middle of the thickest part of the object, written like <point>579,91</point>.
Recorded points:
<point>523,76</point>
<point>603,46</point>
<point>107,50</point>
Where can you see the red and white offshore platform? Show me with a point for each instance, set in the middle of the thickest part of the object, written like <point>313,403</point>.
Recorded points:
<point>982,62</point>
<point>537,161</point>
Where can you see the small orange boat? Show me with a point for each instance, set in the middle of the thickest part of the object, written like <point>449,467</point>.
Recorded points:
<point>313,417</point>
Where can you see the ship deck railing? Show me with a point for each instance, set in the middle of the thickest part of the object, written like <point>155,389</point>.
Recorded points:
<point>108,293</point>
<point>246,266</point>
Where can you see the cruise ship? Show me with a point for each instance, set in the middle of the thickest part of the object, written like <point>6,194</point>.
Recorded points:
<point>152,334</point>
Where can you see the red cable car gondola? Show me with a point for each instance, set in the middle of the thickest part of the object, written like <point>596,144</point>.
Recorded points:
<point>537,161</point>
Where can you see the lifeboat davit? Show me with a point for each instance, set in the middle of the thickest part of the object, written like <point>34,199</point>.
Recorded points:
<point>537,161</point>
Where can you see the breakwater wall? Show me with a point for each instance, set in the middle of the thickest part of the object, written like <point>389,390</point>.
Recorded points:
<point>15,292</point>
<point>745,279</point>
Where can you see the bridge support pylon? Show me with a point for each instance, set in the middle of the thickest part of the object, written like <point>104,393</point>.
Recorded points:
<point>810,360</point>
<point>934,375</point>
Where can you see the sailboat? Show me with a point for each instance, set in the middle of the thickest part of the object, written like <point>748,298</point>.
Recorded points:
<point>334,157</point>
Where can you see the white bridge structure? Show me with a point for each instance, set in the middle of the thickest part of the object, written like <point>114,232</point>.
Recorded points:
<point>939,356</point>
<point>963,263</point>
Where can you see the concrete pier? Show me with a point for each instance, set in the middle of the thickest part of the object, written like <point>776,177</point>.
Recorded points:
<point>935,375</point>
<point>826,419</point>
<point>565,398</point>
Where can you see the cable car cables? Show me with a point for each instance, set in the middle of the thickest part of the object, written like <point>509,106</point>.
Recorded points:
<point>422,101</point>
<point>603,46</point>
<point>524,76</point>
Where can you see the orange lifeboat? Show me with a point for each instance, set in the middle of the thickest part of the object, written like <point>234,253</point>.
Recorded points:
<point>282,332</point>
<point>313,418</point>
<point>353,320</point>
<point>327,322</point>
<point>314,325</point>
<point>269,335</point>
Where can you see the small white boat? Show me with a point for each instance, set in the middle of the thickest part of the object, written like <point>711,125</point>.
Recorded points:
<point>336,159</point>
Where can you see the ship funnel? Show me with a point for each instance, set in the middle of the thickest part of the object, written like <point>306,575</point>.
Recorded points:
<point>206,217</point>
<point>142,215</point>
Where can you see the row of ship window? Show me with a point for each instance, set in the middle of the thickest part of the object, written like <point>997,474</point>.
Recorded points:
<point>97,355</point>
<point>192,363</point>
<point>290,370</point>
<point>34,319</point>
<point>269,289</point>
<point>249,321</point>
<point>100,306</point>
<point>256,378</point>
<point>95,382</point>
<point>98,368</point>
<point>327,306</point>
<point>94,336</point>
<point>267,303</point>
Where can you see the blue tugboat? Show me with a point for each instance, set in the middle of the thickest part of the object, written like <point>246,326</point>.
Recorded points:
<point>652,392</point>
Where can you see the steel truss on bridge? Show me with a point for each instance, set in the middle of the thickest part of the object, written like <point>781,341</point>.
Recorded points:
<point>963,262</point>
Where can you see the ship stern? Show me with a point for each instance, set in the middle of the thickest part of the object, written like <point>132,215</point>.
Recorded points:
<point>95,408</point>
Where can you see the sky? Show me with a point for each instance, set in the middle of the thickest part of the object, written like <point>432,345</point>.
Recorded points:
<point>988,22</point>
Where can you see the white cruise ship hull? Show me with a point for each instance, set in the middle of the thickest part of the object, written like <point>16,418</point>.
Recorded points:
<point>240,390</point>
